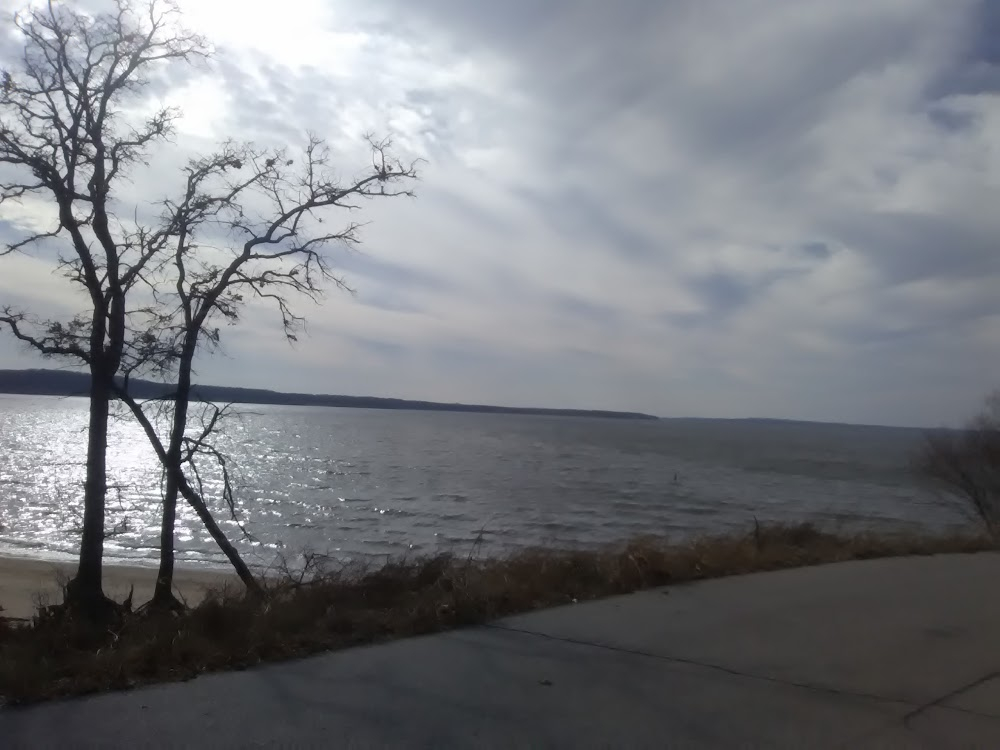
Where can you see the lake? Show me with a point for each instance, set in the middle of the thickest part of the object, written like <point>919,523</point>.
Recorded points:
<point>362,483</point>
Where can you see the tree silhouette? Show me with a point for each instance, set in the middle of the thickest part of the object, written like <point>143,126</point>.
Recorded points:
<point>62,139</point>
<point>247,226</point>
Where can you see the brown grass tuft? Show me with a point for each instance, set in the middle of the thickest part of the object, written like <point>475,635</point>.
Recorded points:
<point>330,608</point>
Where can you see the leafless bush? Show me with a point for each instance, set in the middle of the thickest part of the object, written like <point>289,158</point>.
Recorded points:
<point>966,464</point>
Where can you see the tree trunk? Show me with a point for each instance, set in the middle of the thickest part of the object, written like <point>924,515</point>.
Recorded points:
<point>163,593</point>
<point>193,498</point>
<point>231,553</point>
<point>85,591</point>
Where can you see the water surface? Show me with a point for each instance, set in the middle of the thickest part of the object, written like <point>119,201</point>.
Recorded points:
<point>359,482</point>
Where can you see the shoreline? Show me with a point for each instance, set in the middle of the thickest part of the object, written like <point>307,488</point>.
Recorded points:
<point>341,607</point>
<point>25,582</point>
<point>890,653</point>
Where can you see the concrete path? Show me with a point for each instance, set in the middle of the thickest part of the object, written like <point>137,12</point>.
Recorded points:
<point>893,653</point>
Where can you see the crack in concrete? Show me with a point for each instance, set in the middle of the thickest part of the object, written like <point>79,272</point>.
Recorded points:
<point>709,665</point>
<point>917,707</point>
<point>939,702</point>
<point>906,720</point>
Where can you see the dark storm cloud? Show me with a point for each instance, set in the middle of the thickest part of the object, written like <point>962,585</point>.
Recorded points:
<point>363,266</point>
<point>596,59</point>
<point>483,215</point>
<point>723,292</point>
<point>907,247</point>
<point>580,215</point>
<point>585,310</point>
<point>819,250</point>
<point>387,350</point>
<point>266,99</point>
<point>976,69</point>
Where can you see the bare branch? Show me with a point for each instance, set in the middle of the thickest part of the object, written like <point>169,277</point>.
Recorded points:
<point>55,339</point>
<point>247,226</point>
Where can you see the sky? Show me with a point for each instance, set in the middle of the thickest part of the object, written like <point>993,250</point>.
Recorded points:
<point>768,208</point>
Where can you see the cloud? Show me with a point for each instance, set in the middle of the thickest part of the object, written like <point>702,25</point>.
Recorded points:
<point>773,207</point>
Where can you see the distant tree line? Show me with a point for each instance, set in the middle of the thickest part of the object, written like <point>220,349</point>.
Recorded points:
<point>61,383</point>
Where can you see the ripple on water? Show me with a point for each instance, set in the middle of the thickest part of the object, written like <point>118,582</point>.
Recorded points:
<point>357,479</point>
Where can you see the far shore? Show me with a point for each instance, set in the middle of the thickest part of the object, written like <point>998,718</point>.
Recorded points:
<point>26,582</point>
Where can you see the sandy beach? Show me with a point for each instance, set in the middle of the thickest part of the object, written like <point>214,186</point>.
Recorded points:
<point>25,582</point>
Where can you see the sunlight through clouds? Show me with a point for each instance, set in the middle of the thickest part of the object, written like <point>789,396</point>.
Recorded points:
<point>298,34</point>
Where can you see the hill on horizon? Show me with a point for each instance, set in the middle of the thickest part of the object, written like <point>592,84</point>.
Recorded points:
<point>43,382</point>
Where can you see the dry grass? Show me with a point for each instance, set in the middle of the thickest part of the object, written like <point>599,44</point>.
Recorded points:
<point>329,609</point>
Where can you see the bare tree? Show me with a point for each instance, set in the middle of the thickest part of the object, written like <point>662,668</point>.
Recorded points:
<point>63,139</point>
<point>193,493</point>
<point>249,226</point>
<point>966,463</point>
